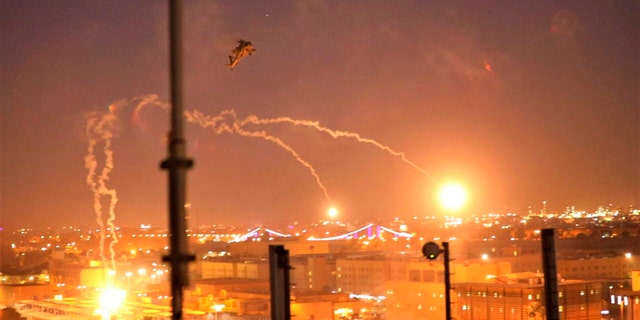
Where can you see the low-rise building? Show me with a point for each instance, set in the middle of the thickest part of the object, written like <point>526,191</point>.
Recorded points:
<point>525,301</point>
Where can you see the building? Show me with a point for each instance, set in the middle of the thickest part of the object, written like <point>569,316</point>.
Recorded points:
<point>600,267</point>
<point>420,294</point>
<point>10,293</point>
<point>362,275</point>
<point>312,273</point>
<point>525,301</point>
<point>234,268</point>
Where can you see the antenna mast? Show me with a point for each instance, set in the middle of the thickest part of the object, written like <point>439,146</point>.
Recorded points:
<point>177,164</point>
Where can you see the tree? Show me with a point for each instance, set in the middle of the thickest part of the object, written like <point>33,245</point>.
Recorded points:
<point>10,313</point>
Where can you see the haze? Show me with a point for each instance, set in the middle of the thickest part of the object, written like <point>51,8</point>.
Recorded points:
<point>520,102</point>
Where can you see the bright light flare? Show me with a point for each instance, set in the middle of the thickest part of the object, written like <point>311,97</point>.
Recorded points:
<point>453,196</point>
<point>333,212</point>
<point>110,301</point>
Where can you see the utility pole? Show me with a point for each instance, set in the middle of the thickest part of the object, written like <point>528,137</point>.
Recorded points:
<point>447,280</point>
<point>279,282</point>
<point>177,164</point>
<point>550,275</point>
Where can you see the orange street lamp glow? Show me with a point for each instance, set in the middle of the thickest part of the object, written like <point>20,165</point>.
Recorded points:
<point>453,196</point>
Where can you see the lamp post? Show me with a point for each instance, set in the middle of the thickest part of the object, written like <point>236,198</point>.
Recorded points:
<point>431,251</point>
<point>452,197</point>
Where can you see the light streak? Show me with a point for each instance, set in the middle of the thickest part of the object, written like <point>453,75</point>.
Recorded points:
<point>256,232</point>
<point>277,233</point>
<point>245,236</point>
<point>343,236</point>
<point>399,234</point>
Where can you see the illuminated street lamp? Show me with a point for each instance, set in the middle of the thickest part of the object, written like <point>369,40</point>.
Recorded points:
<point>431,251</point>
<point>453,197</point>
<point>159,273</point>
<point>217,308</point>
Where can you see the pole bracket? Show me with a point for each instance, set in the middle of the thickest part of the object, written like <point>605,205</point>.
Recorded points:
<point>179,258</point>
<point>174,163</point>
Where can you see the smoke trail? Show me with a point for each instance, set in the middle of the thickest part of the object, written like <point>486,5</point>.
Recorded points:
<point>100,130</point>
<point>335,134</point>
<point>228,121</point>
<point>235,127</point>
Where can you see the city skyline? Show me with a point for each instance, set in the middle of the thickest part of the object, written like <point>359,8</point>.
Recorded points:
<point>521,103</point>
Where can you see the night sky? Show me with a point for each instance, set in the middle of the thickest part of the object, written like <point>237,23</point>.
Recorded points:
<point>521,101</point>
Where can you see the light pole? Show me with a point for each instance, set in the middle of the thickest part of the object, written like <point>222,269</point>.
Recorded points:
<point>453,197</point>
<point>431,251</point>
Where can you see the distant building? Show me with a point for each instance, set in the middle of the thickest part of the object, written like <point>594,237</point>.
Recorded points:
<point>312,273</point>
<point>327,306</point>
<point>619,267</point>
<point>234,268</point>
<point>524,301</point>
<point>420,293</point>
<point>603,267</point>
<point>363,275</point>
<point>238,296</point>
<point>11,293</point>
<point>624,303</point>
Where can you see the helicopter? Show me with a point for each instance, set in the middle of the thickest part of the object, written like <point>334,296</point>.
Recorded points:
<point>243,49</point>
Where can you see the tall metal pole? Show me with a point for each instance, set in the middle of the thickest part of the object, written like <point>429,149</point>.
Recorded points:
<point>177,164</point>
<point>279,282</point>
<point>550,274</point>
<point>447,281</point>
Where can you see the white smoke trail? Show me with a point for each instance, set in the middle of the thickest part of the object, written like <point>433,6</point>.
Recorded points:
<point>216,124</point>
<point>335,134</point>
<point>228,121</point>
<point>100,130</point>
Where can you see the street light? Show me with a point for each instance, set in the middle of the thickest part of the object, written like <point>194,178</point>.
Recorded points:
<point>453,197</point>
<point>217,307</point>
<point>431,251</point>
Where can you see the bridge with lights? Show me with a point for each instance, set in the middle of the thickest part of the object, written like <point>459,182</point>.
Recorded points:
<point>370,231</point>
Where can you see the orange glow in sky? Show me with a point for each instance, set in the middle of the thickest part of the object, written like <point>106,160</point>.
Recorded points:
<point>333,212</point>
<point>453,196</point>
